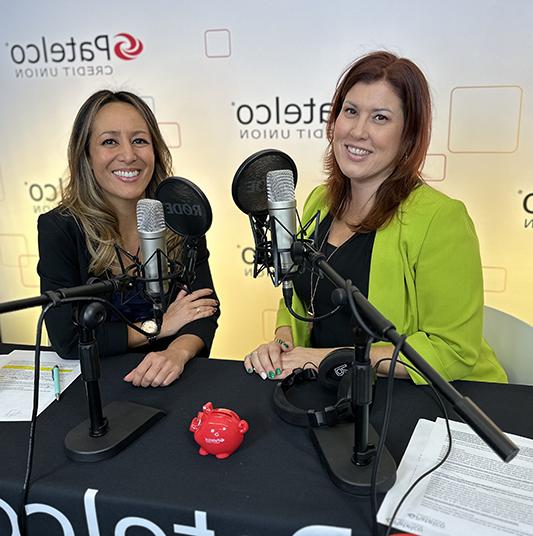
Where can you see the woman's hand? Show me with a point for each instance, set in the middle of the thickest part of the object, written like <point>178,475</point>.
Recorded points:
<point>158,369</point>
<point>301,356</point>
<point>187,308</point>
<point>278,358</point>
<point>266,359</point>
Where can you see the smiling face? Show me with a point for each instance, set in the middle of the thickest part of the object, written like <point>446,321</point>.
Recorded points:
<point>121,153</point>
<point>368,133</point>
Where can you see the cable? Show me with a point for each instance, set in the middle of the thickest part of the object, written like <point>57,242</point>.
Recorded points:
<point>21,514</point>
<point>383,434</point>
<point>361,323</point>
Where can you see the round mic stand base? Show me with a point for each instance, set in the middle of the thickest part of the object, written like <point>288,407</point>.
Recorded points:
<point>127,421</point>
<point>335,447</point>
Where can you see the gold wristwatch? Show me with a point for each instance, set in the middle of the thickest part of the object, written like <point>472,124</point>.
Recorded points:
<point>150,327</point>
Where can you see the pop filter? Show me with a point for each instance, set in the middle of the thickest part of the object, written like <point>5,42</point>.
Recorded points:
<point>249,188</point>
<point>187,210</point>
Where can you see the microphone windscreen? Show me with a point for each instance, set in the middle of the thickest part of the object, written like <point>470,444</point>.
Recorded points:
<point>186,208</point>
<point>280,186</point>
<point>249,187</point>
<point>150,216</point>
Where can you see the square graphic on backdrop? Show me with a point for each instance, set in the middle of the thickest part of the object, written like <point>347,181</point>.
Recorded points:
<point>171,134</point>
<point>28,271</point>
<point>474,112</point>
<point>12,246</point>
<point>217,43</point>
<point>434,167</point>
<point>494,278</point>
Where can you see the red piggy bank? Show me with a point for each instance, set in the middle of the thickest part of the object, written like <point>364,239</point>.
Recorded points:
<point>218,431</point>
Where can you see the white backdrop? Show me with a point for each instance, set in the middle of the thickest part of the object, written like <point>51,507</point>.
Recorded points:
<point>214,71</point>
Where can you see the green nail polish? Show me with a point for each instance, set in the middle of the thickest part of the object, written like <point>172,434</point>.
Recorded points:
<point>278,371</point>
<point>249,370</point>
<point>271,375</point>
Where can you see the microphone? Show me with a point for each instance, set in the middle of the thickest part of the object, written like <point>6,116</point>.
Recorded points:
<point>281,202</point>
<point>152,230</point>
<point>249,191</point>
<point>188,213</point>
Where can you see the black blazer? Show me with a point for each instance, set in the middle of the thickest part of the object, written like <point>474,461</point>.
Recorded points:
<point>64,262</point>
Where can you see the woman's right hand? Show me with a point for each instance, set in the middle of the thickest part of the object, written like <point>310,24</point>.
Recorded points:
<point>265,360</point>
<point>187,308</point>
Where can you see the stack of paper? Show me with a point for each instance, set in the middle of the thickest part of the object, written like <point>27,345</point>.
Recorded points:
<point>16,382</point>
<point>473,492</point>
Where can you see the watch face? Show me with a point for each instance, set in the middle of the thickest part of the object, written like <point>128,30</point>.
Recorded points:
<point>149,326</point>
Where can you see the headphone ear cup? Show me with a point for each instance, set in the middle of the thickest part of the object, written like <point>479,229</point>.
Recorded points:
<point>334,367</point>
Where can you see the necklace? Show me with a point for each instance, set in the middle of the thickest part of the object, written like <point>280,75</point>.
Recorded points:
<point>314,286</point>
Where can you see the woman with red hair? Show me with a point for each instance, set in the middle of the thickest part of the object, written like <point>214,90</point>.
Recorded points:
<point>391,234</point>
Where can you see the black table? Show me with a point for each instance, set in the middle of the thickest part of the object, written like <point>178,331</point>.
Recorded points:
<point>273,485</point>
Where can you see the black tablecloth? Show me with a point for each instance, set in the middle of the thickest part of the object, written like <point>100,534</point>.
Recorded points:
<point>273,485</point>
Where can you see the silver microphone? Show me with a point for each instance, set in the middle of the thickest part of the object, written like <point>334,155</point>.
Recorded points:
<point>152,231</point>
<point>281,201</point>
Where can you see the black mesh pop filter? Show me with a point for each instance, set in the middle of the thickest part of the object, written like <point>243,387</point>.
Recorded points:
<point>187,210</point>
<point>249,183</point>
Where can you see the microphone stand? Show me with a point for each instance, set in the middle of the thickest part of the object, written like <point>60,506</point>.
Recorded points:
<point>107,431</point>
<point>350,467</point>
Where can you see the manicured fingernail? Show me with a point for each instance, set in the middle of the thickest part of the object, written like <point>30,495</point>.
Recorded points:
<point>285,345</point>
<point>271,374</point>
<point>249,370</point>
<point>263,375</point>
<point>278,371</point>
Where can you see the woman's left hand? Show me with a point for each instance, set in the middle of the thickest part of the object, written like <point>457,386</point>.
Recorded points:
<point>158,369</point>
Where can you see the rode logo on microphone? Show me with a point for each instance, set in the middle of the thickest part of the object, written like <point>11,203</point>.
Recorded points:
<point>44,58</point>
<point>180,209</point>
<point>277,119</point>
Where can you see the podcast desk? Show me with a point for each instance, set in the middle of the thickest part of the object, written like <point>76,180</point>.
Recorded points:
<point>273,485</point>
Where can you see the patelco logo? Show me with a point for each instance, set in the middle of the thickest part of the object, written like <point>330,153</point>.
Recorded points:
<point>72,57</point>
<point>129,47</point>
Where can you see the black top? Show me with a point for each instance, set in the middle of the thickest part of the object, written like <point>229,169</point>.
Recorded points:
<point>64,262</point>
<point>352,261</point>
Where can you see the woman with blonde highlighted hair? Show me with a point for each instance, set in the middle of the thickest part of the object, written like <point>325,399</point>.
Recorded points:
<point>117,156</point>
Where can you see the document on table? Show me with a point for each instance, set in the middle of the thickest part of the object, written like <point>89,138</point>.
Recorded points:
<point>473,492</point>
<point>16,382</point>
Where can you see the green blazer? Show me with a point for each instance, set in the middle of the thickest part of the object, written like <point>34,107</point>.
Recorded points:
<point>426,278</point>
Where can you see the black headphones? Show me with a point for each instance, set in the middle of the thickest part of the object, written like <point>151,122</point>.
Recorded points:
<point>334,368</point>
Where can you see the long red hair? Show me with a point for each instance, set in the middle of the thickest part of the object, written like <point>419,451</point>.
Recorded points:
<point>410,85</point>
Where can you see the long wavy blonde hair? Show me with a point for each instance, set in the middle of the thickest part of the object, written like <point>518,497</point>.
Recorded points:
<point>83,197</point>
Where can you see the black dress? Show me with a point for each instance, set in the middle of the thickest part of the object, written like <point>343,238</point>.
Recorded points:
<point>64,262</point>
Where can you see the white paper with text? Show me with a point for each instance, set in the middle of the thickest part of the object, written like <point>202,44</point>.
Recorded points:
<point>16,382</point>
<point>473,492</point>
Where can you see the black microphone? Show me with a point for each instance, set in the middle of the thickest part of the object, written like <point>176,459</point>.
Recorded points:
<point>152,240</point>
<point>249,191</point>
<point>281,201</point>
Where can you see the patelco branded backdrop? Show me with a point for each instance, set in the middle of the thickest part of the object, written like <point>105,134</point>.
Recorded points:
<point>226,79</point>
